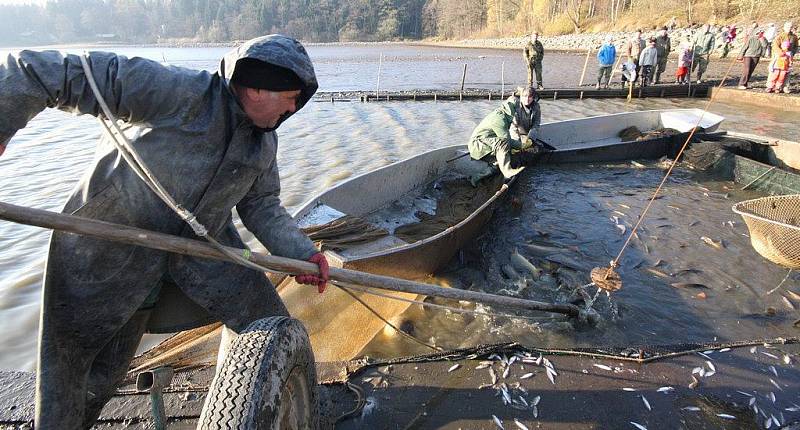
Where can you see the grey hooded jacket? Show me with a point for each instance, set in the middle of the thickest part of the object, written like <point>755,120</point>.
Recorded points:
<point>195,137</point>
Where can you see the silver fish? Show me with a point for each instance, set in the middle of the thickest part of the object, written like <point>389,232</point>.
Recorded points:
<point>752,401</point>
<point>691,408</point>
<point>711,242</point>
<point>665,389</point>
<point>498,422</point>
<point>506,372</point>
<point>724,350</point>
<point>493,376</point>
<point>602,366</point>
<point>773,370</point>
<point>482,366</point>
<point>726,416</point>
<point>768,423</point>
<point>550,376</point>
<point>628,389</point>
<point>523,263</point>
<point>711,366</point>
<point>526,376</point>
<point>453,367</point>
<point>646,403</point>
<point>520,425</point>
<point>769,355</point>
<point>535,411</point>
<point>536,400</point>
<point>772,396</point>
<point>638,426</point>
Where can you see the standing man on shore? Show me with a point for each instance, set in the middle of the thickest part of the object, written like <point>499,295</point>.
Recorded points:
<point>769,36</point>
<point>210,140</point>
<point>606,56</point>
<point>787,35</point>
<point>751,53</point>
<point>533,54</point>
<point>634,48</point>
<point>663,47</point>
<point>703,46</point>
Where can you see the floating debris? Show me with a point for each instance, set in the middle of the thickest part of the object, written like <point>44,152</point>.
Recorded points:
<point>453,367</point>
<point>638,426</point>
<point>498,422</point>
<point>695,382</point>
<point>787,359</point>
<point>724,350</point>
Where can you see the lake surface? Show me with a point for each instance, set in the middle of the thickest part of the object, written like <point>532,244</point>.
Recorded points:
<point>326,143</point>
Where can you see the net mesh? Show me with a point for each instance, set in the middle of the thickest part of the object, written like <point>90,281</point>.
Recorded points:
<point>774,224</point>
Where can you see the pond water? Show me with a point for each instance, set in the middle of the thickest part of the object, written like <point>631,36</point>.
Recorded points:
<point>326,143</point>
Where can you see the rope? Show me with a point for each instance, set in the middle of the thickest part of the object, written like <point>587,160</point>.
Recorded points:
<point>615,261</point>
<point>758,177</point>
<point>374,312</point>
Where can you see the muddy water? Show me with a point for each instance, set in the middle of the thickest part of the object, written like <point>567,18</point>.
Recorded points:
<point>320,146</point>
<point>565,221</point>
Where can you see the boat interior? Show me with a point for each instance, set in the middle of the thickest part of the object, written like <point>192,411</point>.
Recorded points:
<point>397,205</point>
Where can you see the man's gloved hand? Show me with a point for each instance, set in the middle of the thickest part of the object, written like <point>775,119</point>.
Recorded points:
<point>321,280</point>
<point>526,143</point>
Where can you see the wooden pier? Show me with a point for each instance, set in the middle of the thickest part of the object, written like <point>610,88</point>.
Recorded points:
<point>668,91</point>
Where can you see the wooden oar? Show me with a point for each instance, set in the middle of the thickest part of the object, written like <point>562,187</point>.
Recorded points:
<point>196,248</point>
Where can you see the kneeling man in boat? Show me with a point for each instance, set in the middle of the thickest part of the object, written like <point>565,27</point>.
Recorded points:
<point>506,138</point>
<point>209,138</point>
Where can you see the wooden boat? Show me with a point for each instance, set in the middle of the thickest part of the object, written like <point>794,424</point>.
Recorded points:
<point>385,200</point>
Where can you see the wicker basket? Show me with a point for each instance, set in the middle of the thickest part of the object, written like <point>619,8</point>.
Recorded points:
<point>774,224</point>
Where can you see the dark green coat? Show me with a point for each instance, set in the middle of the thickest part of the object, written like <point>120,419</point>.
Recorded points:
<point>533,52</point>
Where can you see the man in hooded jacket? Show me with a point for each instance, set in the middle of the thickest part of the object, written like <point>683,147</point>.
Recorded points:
<point>513,126</point>
<point>210,139</point>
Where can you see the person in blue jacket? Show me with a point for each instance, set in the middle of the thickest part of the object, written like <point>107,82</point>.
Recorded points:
<point>605,57</point>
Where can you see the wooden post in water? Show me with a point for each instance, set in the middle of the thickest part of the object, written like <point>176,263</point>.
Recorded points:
<point>463,77</point>
<point>378,85</point>
<point>585,63</point>
<point>502,80</point>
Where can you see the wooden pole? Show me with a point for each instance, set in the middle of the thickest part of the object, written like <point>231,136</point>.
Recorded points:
<point>630,90</point>
<point>378,84</point>
<point>614,70</point>
<point>463,77</point>
<point>502,80</point>
<point>164,242</point>
<point>585,63</point>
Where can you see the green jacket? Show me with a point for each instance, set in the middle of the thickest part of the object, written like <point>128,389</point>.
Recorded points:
<point>753,48</point>
<point>663,47</point>
<point>533,52</point>
<point>704,44</point>
<point>494,125</point>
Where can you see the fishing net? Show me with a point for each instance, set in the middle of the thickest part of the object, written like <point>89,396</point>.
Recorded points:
<point>774,224</point>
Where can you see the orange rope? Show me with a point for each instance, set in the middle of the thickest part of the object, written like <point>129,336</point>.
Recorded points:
<point>615,262</point>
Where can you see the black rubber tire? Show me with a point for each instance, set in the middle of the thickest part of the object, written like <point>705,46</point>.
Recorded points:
<point>267,381</point>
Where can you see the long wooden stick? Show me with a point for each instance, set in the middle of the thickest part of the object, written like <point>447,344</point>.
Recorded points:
<point>585,63</point>
<point>196,248</point>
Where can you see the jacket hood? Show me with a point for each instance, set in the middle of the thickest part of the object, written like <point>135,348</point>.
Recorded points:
<point>277,50</point>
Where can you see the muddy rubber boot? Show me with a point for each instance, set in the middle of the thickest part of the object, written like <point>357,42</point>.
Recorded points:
<point>488,171</point>
<point>111,365</point>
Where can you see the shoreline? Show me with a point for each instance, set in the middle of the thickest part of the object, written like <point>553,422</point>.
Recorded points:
<point>569,43</point>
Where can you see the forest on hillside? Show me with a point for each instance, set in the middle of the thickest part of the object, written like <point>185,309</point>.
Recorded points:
<point>153,21</point>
